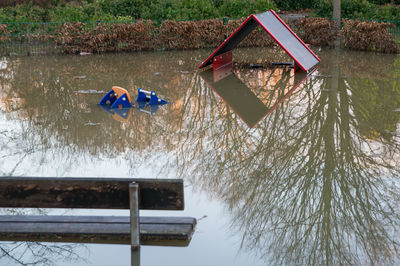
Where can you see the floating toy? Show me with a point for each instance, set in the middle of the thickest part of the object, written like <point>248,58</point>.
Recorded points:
<point>117,97</point>
<point>118,102</point>
<point>149,97</point>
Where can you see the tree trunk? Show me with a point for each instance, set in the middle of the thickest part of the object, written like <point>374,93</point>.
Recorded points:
<point>336,11</point>
<point>336,18</point>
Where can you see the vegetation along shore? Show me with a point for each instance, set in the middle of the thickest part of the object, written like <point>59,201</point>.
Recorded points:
<point>98,26</point>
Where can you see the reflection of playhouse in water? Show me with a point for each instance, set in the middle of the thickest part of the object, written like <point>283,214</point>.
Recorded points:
<point>232,90</point>
<point>252,105</point>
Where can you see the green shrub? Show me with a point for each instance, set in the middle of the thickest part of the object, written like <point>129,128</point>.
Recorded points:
<point>383,2</point>
<point>41,3</point>
<point>68,13</point>
<point>106,10</point>
<point>115,10</point>
<point>262,6</point>
<point>243,8</point>
<point>160,10</point>
<point>131,8</point>
<point>196,9</point>
<point>387,12</point>
<point>356,8</point>
<point>296,5</point>
<point>23,13</point>
<point>360,9</point>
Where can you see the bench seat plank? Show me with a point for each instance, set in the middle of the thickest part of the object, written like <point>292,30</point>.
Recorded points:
<point>163,231</point>
<point>97,193</point>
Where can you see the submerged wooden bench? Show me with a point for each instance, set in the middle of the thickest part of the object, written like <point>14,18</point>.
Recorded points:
<point>95,193</point>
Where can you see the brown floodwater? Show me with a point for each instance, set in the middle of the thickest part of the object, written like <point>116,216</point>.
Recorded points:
<point>279,168</point>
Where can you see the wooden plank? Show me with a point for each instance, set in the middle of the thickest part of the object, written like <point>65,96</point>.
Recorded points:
<point>95,219</point>
<point>163,231</point>
<point>86,193</point>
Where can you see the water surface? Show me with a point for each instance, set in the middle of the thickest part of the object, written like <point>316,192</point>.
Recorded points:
<point>278,168</point>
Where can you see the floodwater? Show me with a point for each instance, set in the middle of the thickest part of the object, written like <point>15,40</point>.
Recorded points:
<point>278,168</point>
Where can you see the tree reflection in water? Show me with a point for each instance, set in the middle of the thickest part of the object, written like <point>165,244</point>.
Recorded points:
<point>315,182</point>
<point>311,186</point>
<point>37,253</point>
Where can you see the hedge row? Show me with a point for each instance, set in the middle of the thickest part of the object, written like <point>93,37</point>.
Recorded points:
<point>146,35</point>
<point>356,34</point>
<point>368,36</point>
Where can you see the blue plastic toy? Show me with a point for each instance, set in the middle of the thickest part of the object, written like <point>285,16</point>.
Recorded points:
<point>117,97</point>
<point>118,100</point>
<point>148,97</point>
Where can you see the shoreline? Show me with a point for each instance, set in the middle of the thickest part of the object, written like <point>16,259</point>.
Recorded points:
<point>98,37</point>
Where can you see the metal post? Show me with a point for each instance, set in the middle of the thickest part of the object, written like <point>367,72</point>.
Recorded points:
<point>135,225</point>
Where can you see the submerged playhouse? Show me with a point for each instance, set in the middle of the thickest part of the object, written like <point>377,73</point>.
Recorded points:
<point>303,57</point>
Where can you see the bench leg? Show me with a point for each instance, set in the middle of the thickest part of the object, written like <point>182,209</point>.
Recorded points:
<point>135,225</point>
<point>135,256</point>
<point>134,207</point>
